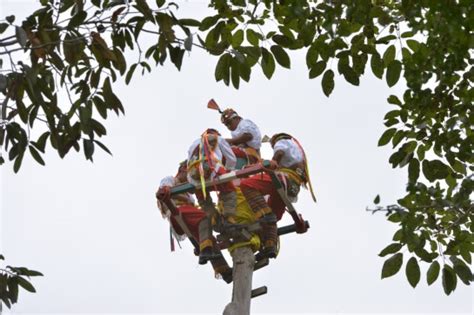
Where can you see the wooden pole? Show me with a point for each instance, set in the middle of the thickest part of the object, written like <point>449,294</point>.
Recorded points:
<point>243,265</point>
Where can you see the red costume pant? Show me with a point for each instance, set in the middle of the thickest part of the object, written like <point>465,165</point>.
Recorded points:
<point>263,184</point>
<point>191,216</point>
<point>228,197</point>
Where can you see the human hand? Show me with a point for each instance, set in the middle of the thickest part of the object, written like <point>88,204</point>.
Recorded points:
<point>273,165</point>
<point>163,193</point>
<point>300,225</point>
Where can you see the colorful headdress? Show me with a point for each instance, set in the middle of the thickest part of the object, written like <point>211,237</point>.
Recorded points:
<point>228,114</point>
<point>279,136</point>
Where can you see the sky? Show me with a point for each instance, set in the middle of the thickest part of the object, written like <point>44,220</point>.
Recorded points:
<point>94,230</point>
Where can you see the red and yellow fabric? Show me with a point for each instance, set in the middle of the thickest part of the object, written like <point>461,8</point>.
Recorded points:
<point>262,183</point>
<point>191,216</point>
<point>244,215</point>
<point>250,154</point>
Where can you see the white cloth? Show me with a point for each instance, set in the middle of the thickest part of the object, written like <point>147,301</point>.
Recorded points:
<point>222,150</point>
<point>170,181</point>
<point>292,153</point>
<point>248,126</point>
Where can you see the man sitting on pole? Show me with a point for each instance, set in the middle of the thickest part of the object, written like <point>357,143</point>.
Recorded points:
<point>186,218</point>
<point>289,162</point>
<point>246,137</point>
<point>208,157</point>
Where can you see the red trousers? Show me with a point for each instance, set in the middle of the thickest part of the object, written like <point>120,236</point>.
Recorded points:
<point>263,183</point>
<point>191,216</point>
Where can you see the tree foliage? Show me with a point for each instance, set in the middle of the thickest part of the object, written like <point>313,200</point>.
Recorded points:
<point>11,280</point>
<point>60,63</point>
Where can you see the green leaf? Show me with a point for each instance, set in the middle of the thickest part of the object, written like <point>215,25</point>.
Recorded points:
<point>412,271</point>
<point>176,56</point>
<point>31,273</point>
<point>235,75</point>
<point>222,67</point>
<point>377,66</point>
<point>392,99</point>
<point>449,280</point>
<point>6,301</point>
<point>120,63</point>
<point>77,20</point>
<point>10,19</point>
<point>252,37</point>
<point>435,169</point>
<point>41,142</point>
<point>268,63</point>
<point>317,69</point>
<point>377,199</point>
<point>160,3</point>
<point>145,9</point>
<point>3,82</point>
<point>237,38</point>
<point>328,82</point>
<point>392,265</point>
<point>25,284</point>
<point>282,40</point>
<point>3,27</point>
<point>208,22</point>
<point>35,154</point>
<point>413,44</point>
<point>129,75</point>
<point>390,249</point>
<point>350,75</point>
<point>21,36</point>
<point>393,72</point>
<point>101,106</point>
<point>462,270</point>
<point>13,288</point>
<point>413,170</point>
<point>386,136</point>
<point>389,55</point>
<point>281,56</point>
<point>189,22</point>
<point>111,99</point>
<point>17,164</point>
<point>88,149</point>
<point>102,146</point>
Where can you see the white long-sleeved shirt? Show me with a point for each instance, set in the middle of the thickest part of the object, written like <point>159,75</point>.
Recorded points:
<point>248,126</point>
<point>292,153</point>
<point>170,181</point>
<point>222,150</point>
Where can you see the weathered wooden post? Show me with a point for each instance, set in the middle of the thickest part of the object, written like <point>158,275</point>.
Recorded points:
<point>243,265</point>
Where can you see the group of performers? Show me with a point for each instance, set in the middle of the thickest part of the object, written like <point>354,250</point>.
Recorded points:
<point>251,199</point>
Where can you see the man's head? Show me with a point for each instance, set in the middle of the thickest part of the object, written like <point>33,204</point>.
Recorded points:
<point>210,137</point>
<point>279,136</point>
<point>230,119</point>
<point>211,131</point>
<point>182,171</point>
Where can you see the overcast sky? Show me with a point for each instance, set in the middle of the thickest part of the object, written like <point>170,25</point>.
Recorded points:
<point>96,234</point>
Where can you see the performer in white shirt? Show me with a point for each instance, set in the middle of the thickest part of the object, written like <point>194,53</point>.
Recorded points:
<point>289,161</point>
<point>246,137</point>
<point>208,157</point>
